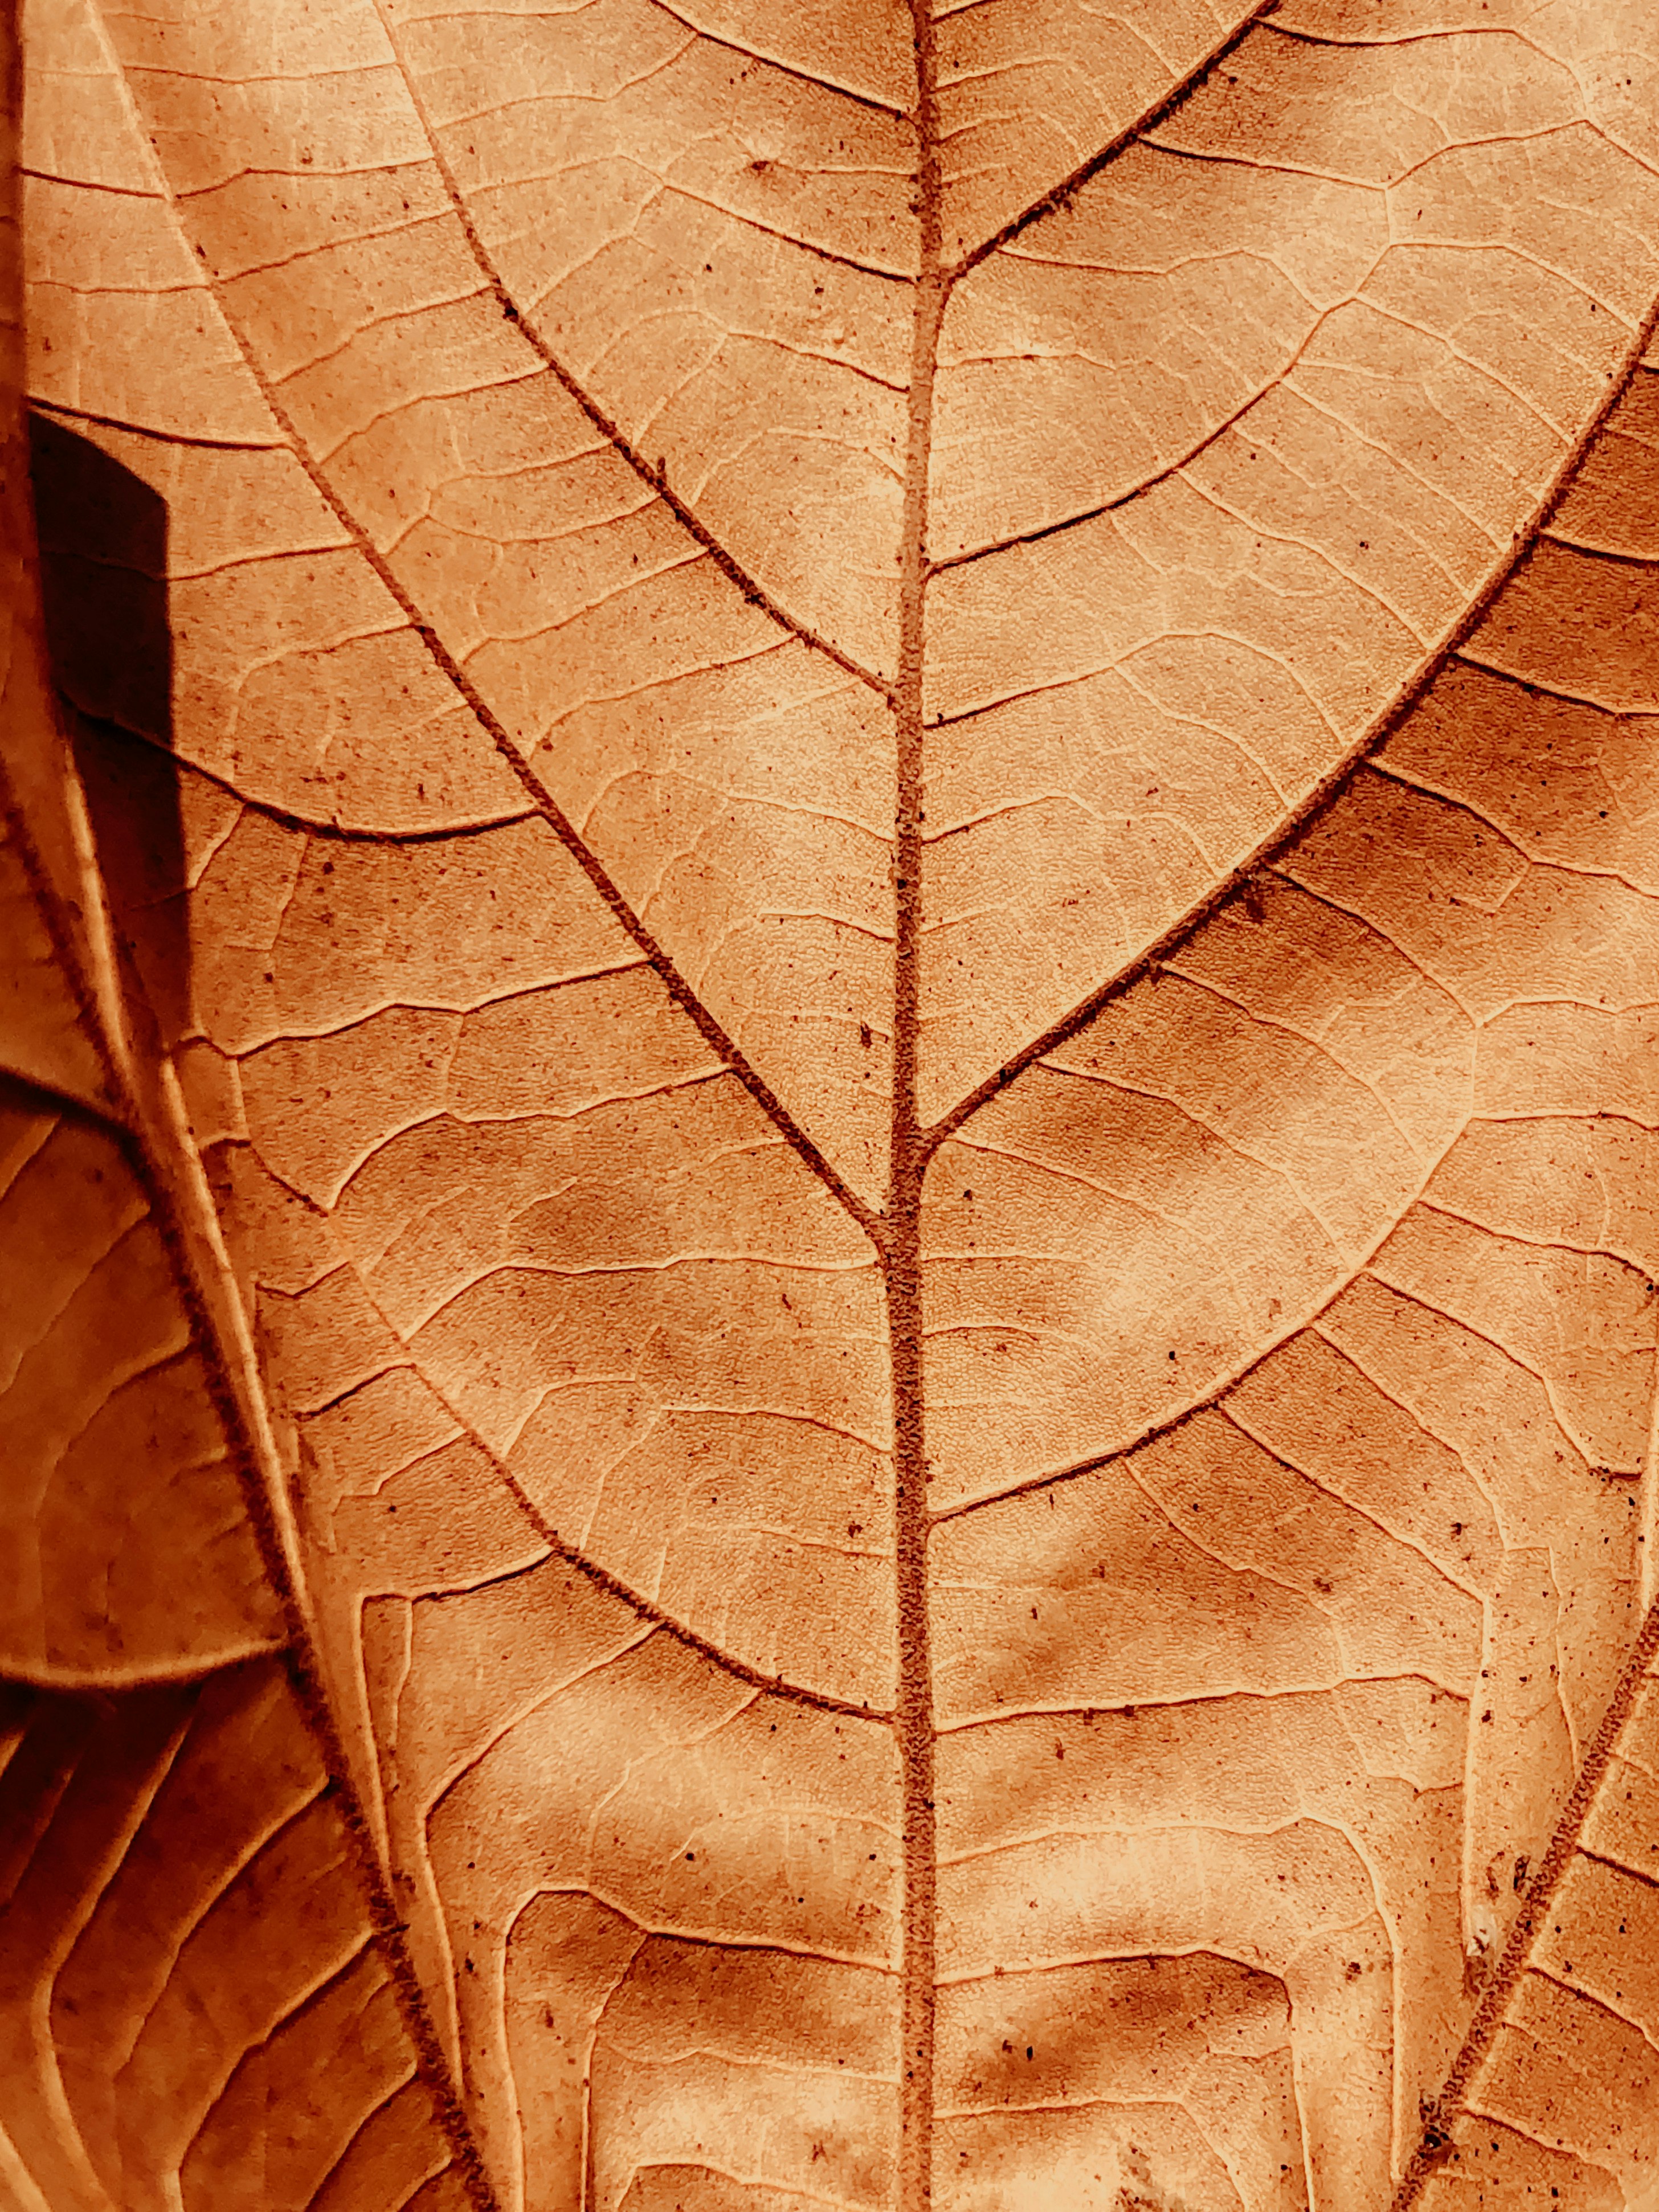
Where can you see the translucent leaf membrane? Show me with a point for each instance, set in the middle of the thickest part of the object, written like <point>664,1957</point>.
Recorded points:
<point>880,791</point>
<point>213,2020</point>
<point>197,2004</point>
<point>128,1551</point>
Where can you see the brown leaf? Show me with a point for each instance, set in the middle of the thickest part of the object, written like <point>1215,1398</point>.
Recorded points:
<point>835,1346</point>
<point>198,2007</point>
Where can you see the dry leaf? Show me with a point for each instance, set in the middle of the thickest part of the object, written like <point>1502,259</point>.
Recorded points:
<point>199,1973</point>
<point>833,1351</point>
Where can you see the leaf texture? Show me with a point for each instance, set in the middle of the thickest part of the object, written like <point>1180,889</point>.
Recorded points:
<point>200,2004</point>
<point>850,1284</point>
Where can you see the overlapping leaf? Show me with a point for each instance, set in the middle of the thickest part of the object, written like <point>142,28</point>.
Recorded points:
<point>197,2005</point>
<point>887,789</point>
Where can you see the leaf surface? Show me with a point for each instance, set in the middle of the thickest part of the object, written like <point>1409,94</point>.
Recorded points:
<point>879,797</point>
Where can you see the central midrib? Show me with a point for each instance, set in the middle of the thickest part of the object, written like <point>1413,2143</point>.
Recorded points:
<point>901,1244</point>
